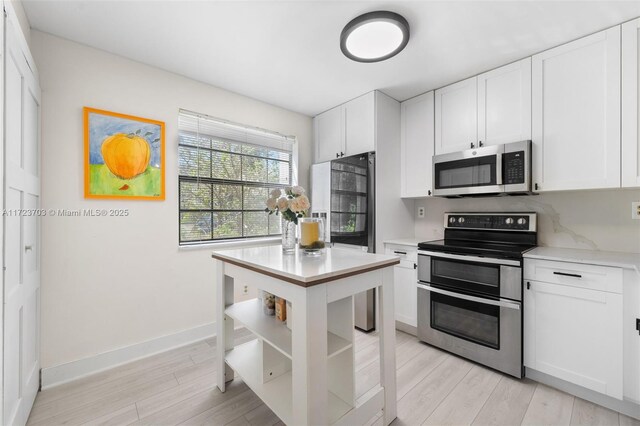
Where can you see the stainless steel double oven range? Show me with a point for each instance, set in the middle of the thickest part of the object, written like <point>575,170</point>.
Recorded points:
<point>470,287</point>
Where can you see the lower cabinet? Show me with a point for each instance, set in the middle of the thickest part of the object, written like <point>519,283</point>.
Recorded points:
<point>405,278</point>
<point>573,330</point>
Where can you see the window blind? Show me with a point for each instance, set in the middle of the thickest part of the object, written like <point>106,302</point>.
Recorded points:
<point>226,172</point>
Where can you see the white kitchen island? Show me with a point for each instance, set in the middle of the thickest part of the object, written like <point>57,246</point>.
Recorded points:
<point>306,375</point>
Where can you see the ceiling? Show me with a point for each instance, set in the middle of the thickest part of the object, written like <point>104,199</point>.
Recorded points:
<point>287,53</point>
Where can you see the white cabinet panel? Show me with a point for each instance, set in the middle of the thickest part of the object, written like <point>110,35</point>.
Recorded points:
<point>359,118</point>
<point>456,116</point>
<point>406,295</point>
<point>630,99</point>
<point>631,336</point>
<point>417,146</point>
<point>329,134</point>
<point>576,114</point>
<point>575,334</point>
<point>504,104</point>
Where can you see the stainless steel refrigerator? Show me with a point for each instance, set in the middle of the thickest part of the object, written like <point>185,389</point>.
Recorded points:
<point>343,192</point>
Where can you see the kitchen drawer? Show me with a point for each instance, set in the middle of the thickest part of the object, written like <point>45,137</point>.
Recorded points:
<point>580,275</point>
<point>408,255</point>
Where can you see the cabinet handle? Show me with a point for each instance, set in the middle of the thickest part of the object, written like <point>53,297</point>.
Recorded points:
<point>536,186</point>
<point>415,266</point>
<point>399,252</point>
<point>472,145</point>
<point>528,285</point>
<point>564,274</point>
<point>341,154</point>
<point>429,192</point>
<point>638,325</point>
<point>480,143</point>
<point>337,155</point>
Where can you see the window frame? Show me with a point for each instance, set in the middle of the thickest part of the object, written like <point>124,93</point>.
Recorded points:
<point>232,241</point>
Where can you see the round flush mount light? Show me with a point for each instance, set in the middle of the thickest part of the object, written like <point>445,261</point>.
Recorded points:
<point>374,36</point>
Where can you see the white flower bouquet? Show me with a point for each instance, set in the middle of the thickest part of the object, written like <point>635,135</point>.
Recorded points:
<point>292,203</point>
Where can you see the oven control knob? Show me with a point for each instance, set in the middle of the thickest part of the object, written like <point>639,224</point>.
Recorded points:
<point>508,220</point>
<point>522,221</point>
<point>452,220</point>
<point>461,220</point>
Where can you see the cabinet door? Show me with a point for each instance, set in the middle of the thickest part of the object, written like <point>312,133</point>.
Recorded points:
<point>329,134</point>
<point>504,104</point>
<point>406,295</point>
<point>417,146</point>
<point>576,114</point>
<point>631,338</point>
<point>456,116</point>
<point>359,118</point>
<point>574,334</point>
<point>630,98</point>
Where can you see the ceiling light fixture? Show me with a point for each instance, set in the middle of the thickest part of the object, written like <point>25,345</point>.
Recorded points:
<point>374,36</point>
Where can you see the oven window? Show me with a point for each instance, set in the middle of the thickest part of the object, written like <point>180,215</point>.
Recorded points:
<point>468,172</point>
<point>466,276</point>
<point>468,320</point>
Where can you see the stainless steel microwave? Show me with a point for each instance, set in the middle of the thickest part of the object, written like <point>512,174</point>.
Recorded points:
<point>491,170</point>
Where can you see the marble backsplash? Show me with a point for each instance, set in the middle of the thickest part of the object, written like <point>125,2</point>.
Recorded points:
<point>596,220</point>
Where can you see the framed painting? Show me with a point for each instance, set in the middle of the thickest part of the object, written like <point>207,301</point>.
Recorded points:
<point>123,156</point>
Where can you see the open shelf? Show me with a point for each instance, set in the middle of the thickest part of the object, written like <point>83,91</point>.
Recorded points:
<point>276,393</point>
<point>275,332</point>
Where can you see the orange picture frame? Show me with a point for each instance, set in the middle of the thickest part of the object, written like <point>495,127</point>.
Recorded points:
<point>124,156</point>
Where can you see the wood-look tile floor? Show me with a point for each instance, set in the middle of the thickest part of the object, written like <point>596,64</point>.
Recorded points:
<point>434,388</point>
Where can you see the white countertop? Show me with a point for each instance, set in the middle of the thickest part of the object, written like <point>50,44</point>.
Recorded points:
<point>413,242</point>
<point>592,257</point>
<point>304,270</point>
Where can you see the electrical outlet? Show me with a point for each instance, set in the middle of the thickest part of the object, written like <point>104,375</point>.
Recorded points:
<point>421,212</point>
<point>635,210</point>
<point>245,290</point>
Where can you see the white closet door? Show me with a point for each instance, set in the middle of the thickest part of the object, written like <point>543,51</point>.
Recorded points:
<point>21,230</point>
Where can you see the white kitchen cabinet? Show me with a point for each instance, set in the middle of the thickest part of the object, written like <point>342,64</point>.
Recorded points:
<point>576,114</point>
<point>405,278</point>
<point>573,324</point>
<point>347,129</point>
<point>630,99</point>
<point>631,339</point>
<point>456,118</point>
<point>359,119</point>
<point>417,146</point>
<point>329,134</point>
<point>504,104</point>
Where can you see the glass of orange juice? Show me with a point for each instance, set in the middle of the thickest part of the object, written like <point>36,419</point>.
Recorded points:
<point>312,235</point>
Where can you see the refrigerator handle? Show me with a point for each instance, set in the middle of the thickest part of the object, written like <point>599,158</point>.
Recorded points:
<point>371,202</point>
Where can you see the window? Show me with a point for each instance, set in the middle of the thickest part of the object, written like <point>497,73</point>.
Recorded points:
<point>226,172</point>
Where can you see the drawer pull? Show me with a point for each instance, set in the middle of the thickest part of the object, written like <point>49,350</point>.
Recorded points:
<point>400,252</point>
<point>564,274</point>
<point>415,266</point>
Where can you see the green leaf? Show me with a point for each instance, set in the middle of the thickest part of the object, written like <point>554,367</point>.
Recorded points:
<point>138,131</point>
<point>156,139</point>
<point>147,134</point>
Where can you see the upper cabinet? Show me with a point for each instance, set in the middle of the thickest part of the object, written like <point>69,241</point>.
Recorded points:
<point>359,120</point>
<point>489,109</point>
<point>456,117</point>
<point>329,134</point>
<point>504,104</point>
<point>630,98</point>
<point>345,130</point>
<point>576,114</point>
<point>416,146</point>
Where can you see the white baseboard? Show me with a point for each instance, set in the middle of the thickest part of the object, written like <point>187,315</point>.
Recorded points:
<point>629,408</point>
<point>63,373</point>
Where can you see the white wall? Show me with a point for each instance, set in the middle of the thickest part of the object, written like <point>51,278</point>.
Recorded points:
<point>22,19</point>
<point>112,282</point>
<point>595,220</point>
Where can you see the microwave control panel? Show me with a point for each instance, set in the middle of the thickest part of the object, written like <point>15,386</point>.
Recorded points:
<point>513,167</point>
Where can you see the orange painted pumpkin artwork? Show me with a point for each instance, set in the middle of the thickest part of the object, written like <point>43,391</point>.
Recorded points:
<point>126,156</point>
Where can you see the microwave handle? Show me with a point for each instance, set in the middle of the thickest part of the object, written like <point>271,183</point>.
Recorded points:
<point>499,169</point>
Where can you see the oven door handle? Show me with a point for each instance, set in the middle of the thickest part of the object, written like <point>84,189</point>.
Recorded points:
<point>469,258</point>
<point>501,303</point>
